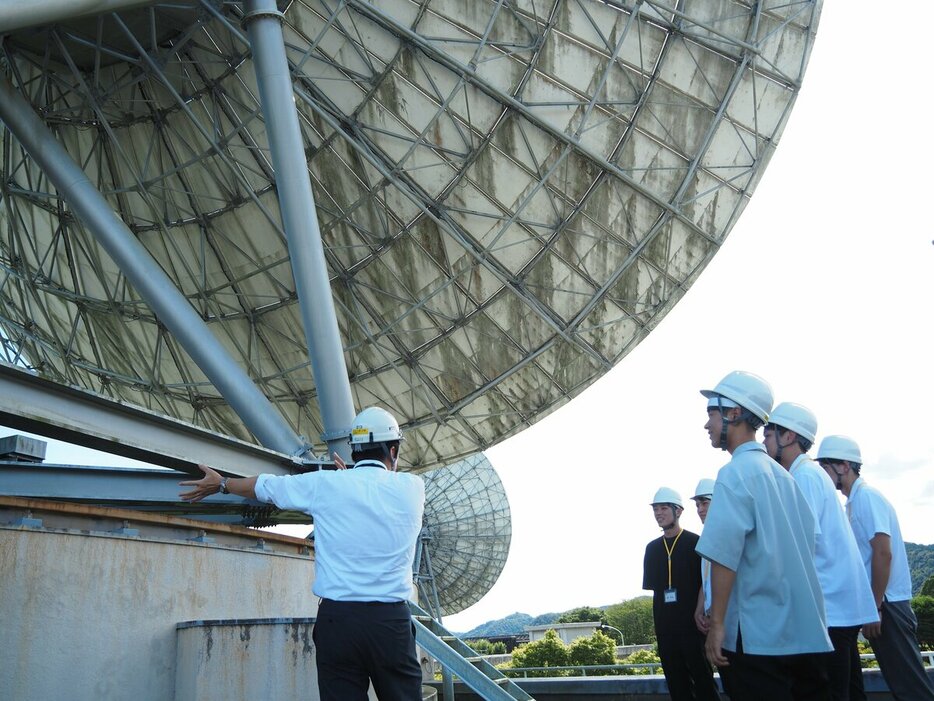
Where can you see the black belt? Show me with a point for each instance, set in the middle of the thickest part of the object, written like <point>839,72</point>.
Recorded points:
<point>332,602</point>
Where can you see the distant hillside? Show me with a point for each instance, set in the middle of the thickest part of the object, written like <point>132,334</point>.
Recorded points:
<point>510,625</point>
<point>921,563</point>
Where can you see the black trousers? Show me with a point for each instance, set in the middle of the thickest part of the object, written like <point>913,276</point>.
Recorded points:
<point>846,675</point>
<point>685,665</point>
<point>777,677</point>
<point>361,641</point>
<point>897,652</point>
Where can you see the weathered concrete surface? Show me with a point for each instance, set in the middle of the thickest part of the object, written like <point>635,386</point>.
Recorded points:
<point>90,614</point>
<point>269,659</point>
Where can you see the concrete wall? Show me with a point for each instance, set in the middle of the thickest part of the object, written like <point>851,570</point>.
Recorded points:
<point>568,632</point>
<point>87,613</point>
<point>269,659</point>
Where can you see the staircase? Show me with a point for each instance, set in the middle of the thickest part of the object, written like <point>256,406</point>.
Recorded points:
<point>454,654</point>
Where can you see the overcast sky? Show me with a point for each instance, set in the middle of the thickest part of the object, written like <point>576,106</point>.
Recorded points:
<point>824,288</point>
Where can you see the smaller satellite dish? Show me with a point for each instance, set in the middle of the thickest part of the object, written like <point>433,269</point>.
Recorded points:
<point>465,540</point>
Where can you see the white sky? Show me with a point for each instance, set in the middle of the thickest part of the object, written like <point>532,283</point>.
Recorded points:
<point>824,288</point>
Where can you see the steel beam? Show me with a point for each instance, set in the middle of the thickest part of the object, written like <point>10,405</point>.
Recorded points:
<point>29,403</point>
<point>154,491</point>
<point>300,221</point>
<point>149,280</point>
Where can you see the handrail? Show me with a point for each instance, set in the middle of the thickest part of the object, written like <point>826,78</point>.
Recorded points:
<point>653,667</point>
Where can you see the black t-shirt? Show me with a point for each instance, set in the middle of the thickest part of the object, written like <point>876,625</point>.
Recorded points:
<point>685,579</point>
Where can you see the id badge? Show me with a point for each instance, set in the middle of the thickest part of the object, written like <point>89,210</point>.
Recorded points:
<point>671,596</point>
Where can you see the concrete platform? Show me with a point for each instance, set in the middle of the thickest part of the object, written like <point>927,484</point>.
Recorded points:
<point>630,688</point>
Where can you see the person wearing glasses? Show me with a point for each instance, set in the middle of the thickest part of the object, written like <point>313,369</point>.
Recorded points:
<point>879,539</point>
<point>848,602</point>
<point>672,570</point>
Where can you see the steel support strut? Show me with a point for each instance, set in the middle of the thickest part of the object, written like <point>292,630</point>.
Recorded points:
<point>149,280</point>
<point>300,221</point>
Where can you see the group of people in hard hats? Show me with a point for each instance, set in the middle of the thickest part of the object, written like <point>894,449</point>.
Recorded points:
<point>776,590</point>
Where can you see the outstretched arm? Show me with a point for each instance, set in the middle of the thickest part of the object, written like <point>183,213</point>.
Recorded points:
<point>211,484</point>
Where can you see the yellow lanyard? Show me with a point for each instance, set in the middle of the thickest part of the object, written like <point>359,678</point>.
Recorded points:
<point>670,551</point>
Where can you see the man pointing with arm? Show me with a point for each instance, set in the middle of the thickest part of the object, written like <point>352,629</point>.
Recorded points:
<point>367,522</point>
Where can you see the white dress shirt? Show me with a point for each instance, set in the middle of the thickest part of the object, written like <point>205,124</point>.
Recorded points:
<point>367,520</point>
<point>848,598</point>
<point>871,513</point>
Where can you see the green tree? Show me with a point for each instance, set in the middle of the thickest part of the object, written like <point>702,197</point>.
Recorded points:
<point>920,563</point>
<point>485,647</point>
<point>597,649</point>
<point>641,657</point>
<point>582,614</point>
<point>865,649</point>
<point>634,619</point>
<point>550,651</point>
<point>927,589</point>
<point>924,610</point>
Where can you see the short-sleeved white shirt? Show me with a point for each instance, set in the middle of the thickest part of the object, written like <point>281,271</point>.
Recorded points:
<point>760,526</point>
<point>871,513</point>
<point>848,599</point>
<point>367,520</point>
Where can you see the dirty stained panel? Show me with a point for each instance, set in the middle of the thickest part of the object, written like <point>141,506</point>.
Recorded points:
<point>511,195</point>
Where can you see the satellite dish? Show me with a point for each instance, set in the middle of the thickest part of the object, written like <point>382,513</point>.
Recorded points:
<point>511,195</point>
<point>466,536</point>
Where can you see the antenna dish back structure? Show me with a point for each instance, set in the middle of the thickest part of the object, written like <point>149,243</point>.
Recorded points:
<point>510,195</point>
<point>466,536</point>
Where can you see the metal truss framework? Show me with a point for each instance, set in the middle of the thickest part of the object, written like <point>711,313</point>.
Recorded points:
<point>511,195</point>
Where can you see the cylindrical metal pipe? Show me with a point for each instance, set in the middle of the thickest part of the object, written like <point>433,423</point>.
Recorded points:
<point>173,310</point>
<point>300,221</point>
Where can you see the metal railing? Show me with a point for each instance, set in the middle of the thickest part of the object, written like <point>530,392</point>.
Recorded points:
<point>927,657</point>
<point>630,669</point>
<point>583,669</point>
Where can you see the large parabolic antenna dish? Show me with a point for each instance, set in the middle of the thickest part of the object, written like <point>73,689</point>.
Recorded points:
<point>468,528</point>
<point>511,195</point>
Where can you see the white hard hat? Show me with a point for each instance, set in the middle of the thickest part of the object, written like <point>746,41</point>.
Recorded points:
<point>667,495</point>
<point>704,489</point>
<point>374,425</point>
<point>839,448</point>
<point>797,418</point>
<point>746,390</point>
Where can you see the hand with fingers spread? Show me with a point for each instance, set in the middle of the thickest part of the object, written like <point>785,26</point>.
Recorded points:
<point>204,487</point>
<point>339,462</point>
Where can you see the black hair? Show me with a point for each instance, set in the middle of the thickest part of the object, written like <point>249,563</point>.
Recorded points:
<point>754,421</point>
<point>378,451</point>
<point>802,442</point>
